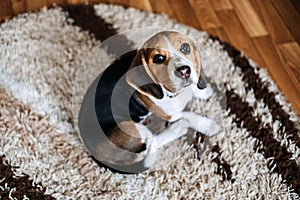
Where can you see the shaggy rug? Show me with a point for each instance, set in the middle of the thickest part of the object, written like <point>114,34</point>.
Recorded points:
<point>47,61</point>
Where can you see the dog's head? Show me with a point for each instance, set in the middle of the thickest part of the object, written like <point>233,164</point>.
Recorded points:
<point>169,60</point>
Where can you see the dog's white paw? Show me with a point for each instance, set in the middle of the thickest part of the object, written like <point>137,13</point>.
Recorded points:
<point>211,127</point>
<point>180,127</point>
<point>201,124</point>
<point>203,94</point>
<point>175,131</point>
<point>150,159</point>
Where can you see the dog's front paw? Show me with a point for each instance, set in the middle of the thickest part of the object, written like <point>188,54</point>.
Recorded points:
<point>211,128</point>
<point>201,124</point>
<point>203,94</point>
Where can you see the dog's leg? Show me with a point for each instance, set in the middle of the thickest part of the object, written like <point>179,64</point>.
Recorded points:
<point>174,132</point>
<point>203,94</point>
<point>145,136</point>
<point>133,134</point>
<point>201,124</point>
<point>153,142</point>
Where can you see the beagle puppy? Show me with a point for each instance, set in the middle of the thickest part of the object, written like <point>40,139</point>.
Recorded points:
<point>156,81</point>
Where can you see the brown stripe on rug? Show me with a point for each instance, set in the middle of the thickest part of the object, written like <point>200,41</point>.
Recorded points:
<point>261,92</point>
<point>18,186</point>
<point>279,159</point>
<point>85,17</point>
<point>201,144</point>
<point>223,167</point>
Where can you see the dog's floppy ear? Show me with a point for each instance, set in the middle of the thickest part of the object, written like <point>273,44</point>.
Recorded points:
<point>201,80</point>
<point>140,77</point>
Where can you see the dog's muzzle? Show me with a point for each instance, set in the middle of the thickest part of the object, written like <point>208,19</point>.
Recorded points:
<point>183,72</point>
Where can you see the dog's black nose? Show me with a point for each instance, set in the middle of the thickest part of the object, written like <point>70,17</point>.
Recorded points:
<point>183,72</point>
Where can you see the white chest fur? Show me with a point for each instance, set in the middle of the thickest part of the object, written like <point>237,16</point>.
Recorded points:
<point>173,106</point>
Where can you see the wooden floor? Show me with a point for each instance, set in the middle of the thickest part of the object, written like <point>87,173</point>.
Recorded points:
<point>268,31</point>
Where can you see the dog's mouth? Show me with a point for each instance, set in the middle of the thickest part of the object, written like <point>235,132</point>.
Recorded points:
<point>187,83</point>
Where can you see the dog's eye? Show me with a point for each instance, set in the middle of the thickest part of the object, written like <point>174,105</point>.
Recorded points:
<point>185,48</point>
<point>159,59</point>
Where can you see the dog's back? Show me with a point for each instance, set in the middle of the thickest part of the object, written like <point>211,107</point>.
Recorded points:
<point>115,100</point>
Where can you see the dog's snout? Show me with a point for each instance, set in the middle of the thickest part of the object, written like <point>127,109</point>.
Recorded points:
<point>183,71</point>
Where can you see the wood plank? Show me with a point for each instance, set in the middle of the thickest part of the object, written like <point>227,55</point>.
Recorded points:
<point>74,2</point>
<point>34,5</point>
<point>296,4</point>
<point>5,9</point>
<point>119,2</point>
<point>205,14</point>
<point>19,6</point>
<point>98,1</point>
<point>273,22</point>
<point>163,6</point>
<point>290,53</point>
<point>238,35</point>
<point>290,17</point>
<point>184,13</point>
<point>138,4</point>
<point>253,24</point>
<point>57,2</point>
<point>220,33</point>
<point>219,5</point>
<point>144,5</point>
<point>277,70</point>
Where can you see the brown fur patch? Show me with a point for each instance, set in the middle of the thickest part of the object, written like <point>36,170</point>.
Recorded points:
<point>197,60</point>
<point>140,79</point>
<point>127,137</point>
